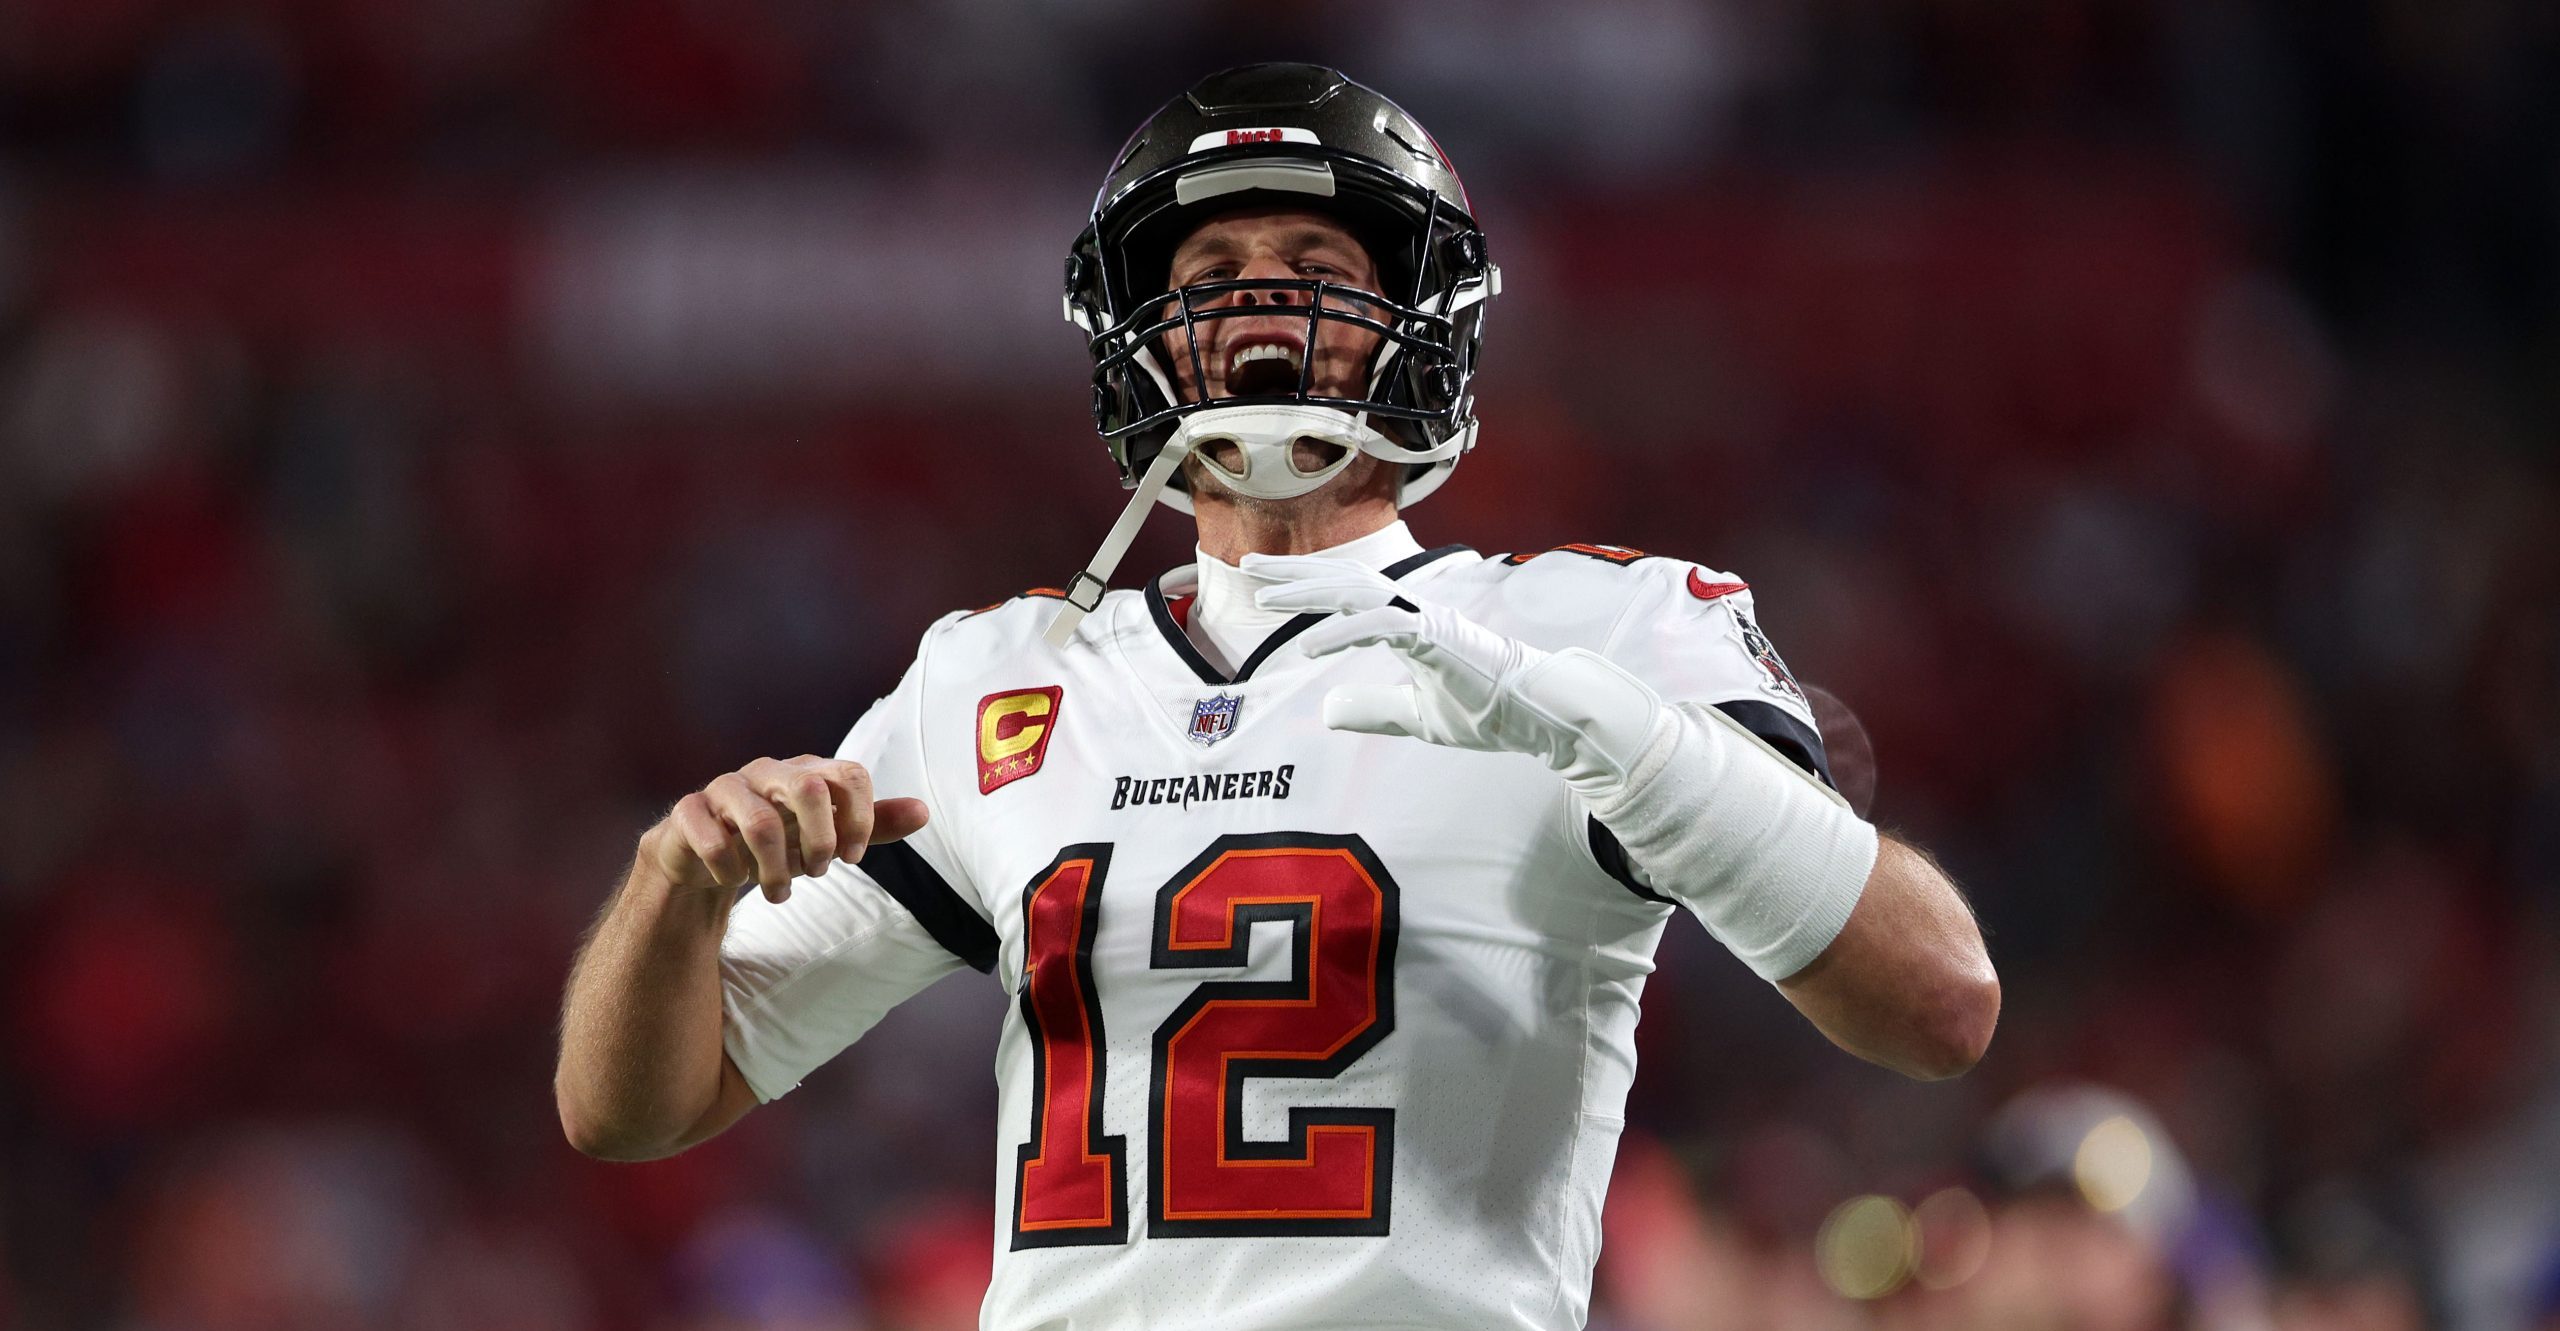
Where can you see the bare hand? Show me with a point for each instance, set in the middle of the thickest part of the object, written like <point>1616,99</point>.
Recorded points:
<point>771,821</point>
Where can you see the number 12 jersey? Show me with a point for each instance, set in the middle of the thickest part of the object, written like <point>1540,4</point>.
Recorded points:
<point>1310,1029</point>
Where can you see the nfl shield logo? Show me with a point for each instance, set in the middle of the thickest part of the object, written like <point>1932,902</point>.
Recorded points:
<point>1214,718</point>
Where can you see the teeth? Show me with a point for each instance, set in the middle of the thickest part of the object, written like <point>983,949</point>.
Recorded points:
<point>1264,351</point>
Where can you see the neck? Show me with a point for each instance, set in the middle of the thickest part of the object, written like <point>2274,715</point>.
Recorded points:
<point>1226,625</point>
<point>1233,526</point>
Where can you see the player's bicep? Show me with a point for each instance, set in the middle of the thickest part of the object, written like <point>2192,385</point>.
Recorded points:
<point>802,980</point>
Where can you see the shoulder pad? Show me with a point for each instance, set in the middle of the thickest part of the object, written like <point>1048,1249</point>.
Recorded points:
<point>1052,593</point>
<point>1704,583</point>
<point>1020,620</point>
<point>1613,554</point>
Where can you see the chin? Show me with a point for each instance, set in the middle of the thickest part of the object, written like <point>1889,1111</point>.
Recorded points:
<point>1310,455</point>
<point>1355,482</point>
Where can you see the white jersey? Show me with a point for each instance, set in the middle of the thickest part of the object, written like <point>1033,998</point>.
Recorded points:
<point>1311,1029</point>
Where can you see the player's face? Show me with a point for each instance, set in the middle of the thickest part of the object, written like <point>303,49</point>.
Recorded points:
<point>1249,354</point>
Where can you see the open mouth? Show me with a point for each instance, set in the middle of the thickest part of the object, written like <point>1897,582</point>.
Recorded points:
<point>1264,365</point>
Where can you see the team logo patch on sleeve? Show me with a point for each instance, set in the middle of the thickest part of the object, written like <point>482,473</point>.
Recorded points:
<point>1779,680</point>
<point>1713,591</point>
<point>1214,718</point>
<point>1013,734</point>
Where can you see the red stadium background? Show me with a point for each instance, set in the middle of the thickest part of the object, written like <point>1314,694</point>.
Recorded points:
<point>435,436</point>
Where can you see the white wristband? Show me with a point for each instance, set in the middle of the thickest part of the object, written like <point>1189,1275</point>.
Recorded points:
<point>1767,857</point>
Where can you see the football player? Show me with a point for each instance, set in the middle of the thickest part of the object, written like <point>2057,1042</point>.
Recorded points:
<point>1324,873</point>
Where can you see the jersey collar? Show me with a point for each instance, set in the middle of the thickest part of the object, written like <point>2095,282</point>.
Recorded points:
<point>1161,611</point>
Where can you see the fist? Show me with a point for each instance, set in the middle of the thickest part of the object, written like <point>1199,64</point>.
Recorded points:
<point>771,821</point>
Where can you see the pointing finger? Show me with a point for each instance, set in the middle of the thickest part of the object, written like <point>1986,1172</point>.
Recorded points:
<point>895,820</point>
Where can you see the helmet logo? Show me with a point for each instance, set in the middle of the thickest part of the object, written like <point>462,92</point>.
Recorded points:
<point>1229,138</point>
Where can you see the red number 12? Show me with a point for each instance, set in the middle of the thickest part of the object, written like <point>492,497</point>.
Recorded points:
<point>1331,1174</point>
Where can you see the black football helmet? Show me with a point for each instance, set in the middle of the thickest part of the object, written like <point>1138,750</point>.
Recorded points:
<point>1306,136</point>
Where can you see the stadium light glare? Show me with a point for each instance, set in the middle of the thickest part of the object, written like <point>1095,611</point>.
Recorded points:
<point>2113,1164</point>
<point>1866,1247</point>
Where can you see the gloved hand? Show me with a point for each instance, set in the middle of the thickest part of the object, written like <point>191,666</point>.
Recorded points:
<point>1467,686</point>
<point>1766,856</point>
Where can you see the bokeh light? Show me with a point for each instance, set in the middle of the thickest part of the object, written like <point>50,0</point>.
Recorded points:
<point>1866,1247</point>
<point>1954,1232</point>
<point>2113,1164</point>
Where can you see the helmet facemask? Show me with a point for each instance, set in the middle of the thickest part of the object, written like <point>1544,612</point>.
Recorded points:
<point>1264,406</point>
<point>1415,408</point>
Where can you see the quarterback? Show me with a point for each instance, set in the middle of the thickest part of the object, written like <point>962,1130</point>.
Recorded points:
<point>1324,873</point>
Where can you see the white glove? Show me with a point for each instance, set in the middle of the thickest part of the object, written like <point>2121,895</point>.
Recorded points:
<point>1767,857</point>
<point>1469,687</point>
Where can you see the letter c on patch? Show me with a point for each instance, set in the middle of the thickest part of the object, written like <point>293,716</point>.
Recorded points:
<point>1013,734</point>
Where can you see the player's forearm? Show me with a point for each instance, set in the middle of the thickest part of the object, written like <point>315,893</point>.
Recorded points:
<point>1864,934</point>
<point>1907,983</point>
<point>640,1040</point>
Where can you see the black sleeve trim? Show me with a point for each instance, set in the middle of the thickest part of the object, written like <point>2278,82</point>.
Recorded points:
<point>1801,743</point>
<point>1779,728</point>
<point>903,874</point>
<point>1414,561</point>
<point>1613,861</point>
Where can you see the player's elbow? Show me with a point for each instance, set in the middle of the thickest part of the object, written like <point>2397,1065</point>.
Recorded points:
<point>600,1136</point>
<point>1954,1025</point>
<point>601,1142</point>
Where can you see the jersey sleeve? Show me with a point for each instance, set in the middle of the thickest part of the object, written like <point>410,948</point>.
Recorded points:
<point>802,980</point>
<point>1691,634</point>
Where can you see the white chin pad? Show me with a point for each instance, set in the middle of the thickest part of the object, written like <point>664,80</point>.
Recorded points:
<point>1266,439</point>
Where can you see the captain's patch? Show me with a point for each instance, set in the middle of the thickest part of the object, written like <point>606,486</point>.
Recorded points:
<point>1013,734</point>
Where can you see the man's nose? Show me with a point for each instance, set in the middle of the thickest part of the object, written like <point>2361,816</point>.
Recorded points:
<point>1268,267</point>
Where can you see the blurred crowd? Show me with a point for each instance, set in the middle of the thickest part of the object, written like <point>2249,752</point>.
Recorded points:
<point>434,436</point>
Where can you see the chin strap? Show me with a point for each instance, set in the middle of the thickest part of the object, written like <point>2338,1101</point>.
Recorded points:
<point>1084,592</point>
<point>1264,435</point>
